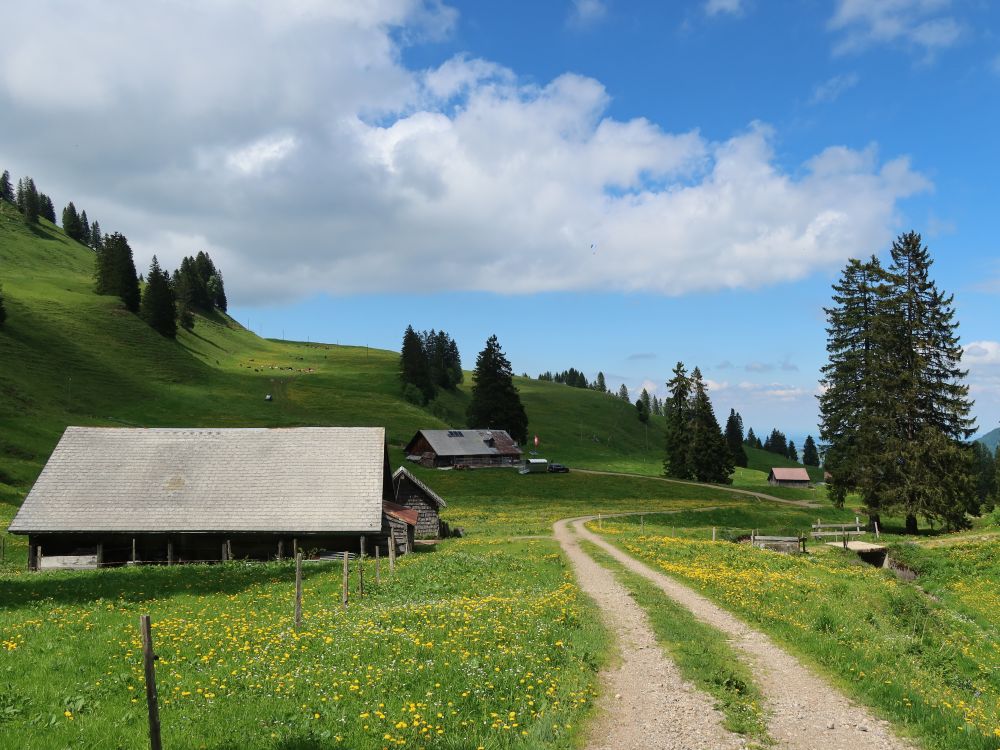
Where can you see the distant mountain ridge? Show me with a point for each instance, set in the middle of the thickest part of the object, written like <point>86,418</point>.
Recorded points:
<point>991,439</point>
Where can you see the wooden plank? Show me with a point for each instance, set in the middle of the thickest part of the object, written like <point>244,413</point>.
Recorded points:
<point>818,534</point>
<point>69,562</point>
<point>298,591</point>
<point>152,703</point>
<point>777,539</point>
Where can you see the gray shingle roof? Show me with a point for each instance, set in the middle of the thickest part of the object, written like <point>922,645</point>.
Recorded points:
<point>305,479</point>
<point>469,442</point>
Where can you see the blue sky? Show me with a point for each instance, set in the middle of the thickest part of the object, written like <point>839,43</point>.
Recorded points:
<point>354,169</point>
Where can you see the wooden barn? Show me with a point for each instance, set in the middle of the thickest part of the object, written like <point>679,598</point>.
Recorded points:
<point>113,496</point>
<point>463,448</point>
<point>414,494</point>
<point>790,477</point>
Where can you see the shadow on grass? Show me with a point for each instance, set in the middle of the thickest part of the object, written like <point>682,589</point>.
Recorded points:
<point>145,583</point>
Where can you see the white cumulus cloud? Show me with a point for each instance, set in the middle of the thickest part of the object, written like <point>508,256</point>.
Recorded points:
<point>924,25</point>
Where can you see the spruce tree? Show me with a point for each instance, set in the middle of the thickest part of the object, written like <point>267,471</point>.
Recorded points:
<point>601,385</point>
<point>734,438</point>
<point>984,470</point>
<point>413,366</point>
<point>793,454</point>
<point>71,222</point>
<point>495,401</point>
<point>677,462</point>
<point>642,410</point>
<point>623,394</point>
<point>84,229</point>
<point>751,438</point>
<point>32,207</point>
<point>647,401</point>
<point>96,238</point>
<point>115,272</point>
<point>6,188</point>
<point>929,402</point>
<point>711,460</point>
<point>852,411</point>
<point>157,307</point>
<point>45,208</point>
<point>810,456</point>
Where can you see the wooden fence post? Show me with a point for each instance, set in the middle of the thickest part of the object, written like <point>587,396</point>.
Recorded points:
<point>599,526</point>
<point>876,530</point>
<point>642,524</point>
<point>298,591</point>
<point>392,552</point>
<point>713,533</point>
<point>378,565</point>
<point>152,704</point>
<point>347,572</point>
<point>361,570</point>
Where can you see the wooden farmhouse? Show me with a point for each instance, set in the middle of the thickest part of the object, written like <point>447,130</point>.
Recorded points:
<point>112,496</point>
<point>463,448</point>
<point>792,477</point>
<point>414,494</point>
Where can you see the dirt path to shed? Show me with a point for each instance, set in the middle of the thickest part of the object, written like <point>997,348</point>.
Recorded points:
<point>646,704</point>
<point>806,713</point>
<point>720,487</point>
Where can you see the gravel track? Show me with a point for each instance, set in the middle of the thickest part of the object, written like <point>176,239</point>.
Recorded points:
<point>806,713</point>
<point>646,704</point>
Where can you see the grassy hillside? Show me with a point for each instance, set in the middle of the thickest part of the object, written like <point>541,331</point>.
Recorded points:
<point>69,356</point>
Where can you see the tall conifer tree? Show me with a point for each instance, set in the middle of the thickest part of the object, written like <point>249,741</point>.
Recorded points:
<point>734,438</point>
<point>6,188</point>
<point>810,456</point>
<point>711,460</point>
<point>677,462</point>
<point>413,366</point>
<point>157,307</point>
<point>495,401</point>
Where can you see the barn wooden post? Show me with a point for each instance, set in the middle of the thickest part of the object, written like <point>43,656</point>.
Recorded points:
<point>152,704</point>
<point>32,555</point>
<point>361,570</point>
<point>229,549</point>
<point>170,552</point>
<point>343,593</point>
<point>378,565</point>
<point>222,554</point>
<point>281,550</point>
<point>135,556</point>
<point>295,545</point>
<point>298,591</point>
<point>38,564</point>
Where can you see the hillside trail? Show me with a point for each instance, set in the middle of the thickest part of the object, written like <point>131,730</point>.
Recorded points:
<point>805,712</point>
<point>720,487</point>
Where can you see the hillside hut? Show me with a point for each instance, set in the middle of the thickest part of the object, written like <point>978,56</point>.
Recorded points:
<point>463,448</point>
<point>114,496</point>
<point>788,477</point>
<point>414,494</point>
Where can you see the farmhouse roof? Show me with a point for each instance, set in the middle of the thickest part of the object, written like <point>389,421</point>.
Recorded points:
<point>408,516</point>
<point>468,442</point>
<point>430,494</point>
<point>306,479</point>
<point>790,474</point>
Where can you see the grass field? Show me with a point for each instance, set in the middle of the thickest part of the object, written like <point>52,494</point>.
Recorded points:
<point>474,644</point>
<point>922,663</point>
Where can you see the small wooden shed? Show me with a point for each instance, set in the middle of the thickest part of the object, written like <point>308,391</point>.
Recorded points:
<point>788,477</point>
<point>414,494</point>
